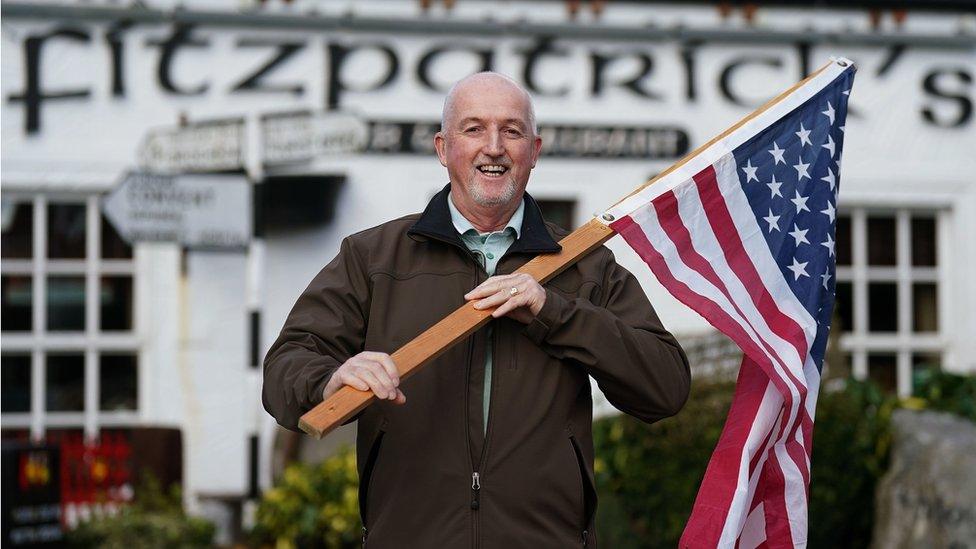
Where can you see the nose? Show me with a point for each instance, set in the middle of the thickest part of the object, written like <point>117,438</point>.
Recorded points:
<point>494,146</point>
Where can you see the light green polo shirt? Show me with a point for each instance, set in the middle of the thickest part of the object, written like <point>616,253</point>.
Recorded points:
<point>489,248</point>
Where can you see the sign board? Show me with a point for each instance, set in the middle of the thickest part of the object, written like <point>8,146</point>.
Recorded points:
<point>302,136</point>
<point>202,147</point>
<point>197,211</point>
<point>31,496</point>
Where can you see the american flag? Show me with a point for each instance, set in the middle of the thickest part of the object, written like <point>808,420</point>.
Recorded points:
<point>744,234</point>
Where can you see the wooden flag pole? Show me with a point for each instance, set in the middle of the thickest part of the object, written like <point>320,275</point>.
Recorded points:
<point>347,401</point>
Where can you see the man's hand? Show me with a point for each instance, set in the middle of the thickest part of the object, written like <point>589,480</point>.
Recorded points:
<point>517,296</point>
<point>368,371</point>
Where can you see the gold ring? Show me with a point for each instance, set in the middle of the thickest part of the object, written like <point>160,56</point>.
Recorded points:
<point>513,291</point>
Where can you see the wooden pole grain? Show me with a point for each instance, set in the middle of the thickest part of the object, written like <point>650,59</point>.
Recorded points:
<point>347,401</point>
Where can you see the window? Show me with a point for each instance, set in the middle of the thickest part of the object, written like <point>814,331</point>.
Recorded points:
<point>887,312</point>
<point>560,212</point>
<point>70,354</point>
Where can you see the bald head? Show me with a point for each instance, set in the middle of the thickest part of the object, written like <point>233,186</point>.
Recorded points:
<point>485,82</point>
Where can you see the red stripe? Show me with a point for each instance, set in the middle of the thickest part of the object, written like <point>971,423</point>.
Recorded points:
<point>714,498</point>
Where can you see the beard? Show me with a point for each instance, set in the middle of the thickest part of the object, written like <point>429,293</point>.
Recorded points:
<point>483,197</point>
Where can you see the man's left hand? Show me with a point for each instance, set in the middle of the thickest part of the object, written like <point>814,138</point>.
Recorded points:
<point>518,296</point>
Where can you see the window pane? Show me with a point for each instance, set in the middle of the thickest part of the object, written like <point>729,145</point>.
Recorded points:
<point>843,308</point>
<point>882,307</point>
<point>923,367</point>
<point>559,212</point>
<point>925,305</point>
<point>17,297</point>
<point>66,231</point>
<point>843,239</point>
<point>16,386</point>
<point>66,303</point>
<point>113,247</point>
<point>18,230</point>
<point>118,379</point>
<point>882,369</point>
<point>65,383</point>
<point>116,303</point>
<point>881,241</point>
<point>923,242</point>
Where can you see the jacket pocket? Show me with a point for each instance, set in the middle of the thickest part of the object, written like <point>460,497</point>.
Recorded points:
<point>374,452</point>
<point>588,487</point>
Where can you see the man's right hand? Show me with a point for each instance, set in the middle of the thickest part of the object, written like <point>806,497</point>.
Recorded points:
<point>368,371</point>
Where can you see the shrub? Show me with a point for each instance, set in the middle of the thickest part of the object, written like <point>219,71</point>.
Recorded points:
<point>154,520</point>
<point>313,505</point>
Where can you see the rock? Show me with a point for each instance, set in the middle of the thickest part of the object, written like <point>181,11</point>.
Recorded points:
<point>928,496</point>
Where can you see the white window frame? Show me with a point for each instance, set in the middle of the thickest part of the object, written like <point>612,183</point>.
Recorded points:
<point>92,342</point>
<point>904,342</point>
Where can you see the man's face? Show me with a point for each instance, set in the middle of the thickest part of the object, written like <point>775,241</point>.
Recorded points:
<point>488,144</point>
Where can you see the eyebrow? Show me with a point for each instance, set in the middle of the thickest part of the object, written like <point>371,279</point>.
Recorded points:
<point>515,121</point>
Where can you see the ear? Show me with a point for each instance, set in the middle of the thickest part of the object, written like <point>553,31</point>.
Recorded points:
<point>440,145</point>
<point>537,149</point>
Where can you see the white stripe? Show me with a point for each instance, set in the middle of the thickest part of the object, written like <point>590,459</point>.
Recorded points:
<point>724,146</point>
<point>754,530</point>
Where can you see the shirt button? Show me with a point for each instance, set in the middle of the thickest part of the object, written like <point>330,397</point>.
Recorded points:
<point>490,255</point>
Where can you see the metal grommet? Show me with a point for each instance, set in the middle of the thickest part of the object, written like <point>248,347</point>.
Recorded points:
<point>842,63</point>
<point>608,217</point>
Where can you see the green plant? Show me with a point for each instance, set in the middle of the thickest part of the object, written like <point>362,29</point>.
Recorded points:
<point>313,505</point>
<point>154,520</point>
<point>946,392</point>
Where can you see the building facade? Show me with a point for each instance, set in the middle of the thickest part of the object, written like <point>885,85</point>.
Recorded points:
<point>317,120</point>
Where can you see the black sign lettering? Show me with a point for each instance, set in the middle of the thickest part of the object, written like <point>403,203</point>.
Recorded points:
<point>114,39</point>
<point>253,82</point>
<point>543,47</point>
<point>635,84</point>
<point>725,78</point>
<point>338,54</point>
<point>962,97</point>
<point>688,53</point>
<point>33,94</point>
<point>181,37</point>
<point>486,56</point>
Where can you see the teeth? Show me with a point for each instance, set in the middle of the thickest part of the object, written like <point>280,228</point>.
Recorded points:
<point>492,168</point>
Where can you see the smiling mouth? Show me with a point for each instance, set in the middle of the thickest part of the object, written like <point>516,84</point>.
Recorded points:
<point>493,170</point>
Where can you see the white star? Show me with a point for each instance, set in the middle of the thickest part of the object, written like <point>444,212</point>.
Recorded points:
<point>847,92</point>
<point>777,154</point>
<point>799,269</point>
<point>829,178</point>
<point>800,202</point>
<point>774,188</point>
<point>829,146</point>
<point>799,235</point>
<point>830,211</point>
<point>804,135</point>
<point>826,276</point>
<point>829,244</point>
<point>842,128</point>
<point>829,112</point>
<point>801,170</point>
<point>773,221</point>
<point>750,171</point>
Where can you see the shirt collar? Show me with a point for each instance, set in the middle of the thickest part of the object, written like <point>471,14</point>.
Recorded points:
<point>462,224</point>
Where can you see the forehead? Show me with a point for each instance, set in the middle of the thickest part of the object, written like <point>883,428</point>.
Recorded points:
<point>492,99</point>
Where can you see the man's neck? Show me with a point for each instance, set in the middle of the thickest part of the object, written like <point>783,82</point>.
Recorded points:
<point>487,219</point>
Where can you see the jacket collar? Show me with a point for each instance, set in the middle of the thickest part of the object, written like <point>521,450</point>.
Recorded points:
<point>436,223</point>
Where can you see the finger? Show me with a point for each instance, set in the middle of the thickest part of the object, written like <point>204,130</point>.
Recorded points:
<point>494,300</point>
<point>379,371</point>
<point>346,378</point>
<point>389,367</point>
<point>510,305</point>
<point>374,383</point>
<point>490,286</point>
<point>400,397</point>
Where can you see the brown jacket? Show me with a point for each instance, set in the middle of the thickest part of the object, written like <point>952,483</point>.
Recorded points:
<point>429,477</point>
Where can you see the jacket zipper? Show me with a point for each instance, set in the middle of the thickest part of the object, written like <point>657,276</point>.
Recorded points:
<point>475,475</point>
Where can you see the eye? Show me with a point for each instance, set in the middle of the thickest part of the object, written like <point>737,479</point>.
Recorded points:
<point>472,129</point>
<point>513,132</point>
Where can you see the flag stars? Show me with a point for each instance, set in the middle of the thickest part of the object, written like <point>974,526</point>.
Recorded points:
<point>773,221</point>
<point>777,154</point>
<point>830,145</point>
<point>799,269</point>
<point>826,278</point>
<point>829,244</point>
<point>774,188</point>
<point>801,169</point>
<point>800,202</point>
<point>799,235</point>
<point>830,211</point>
<point>804,135</point>
<point>829,113</point>
<point>750,171</point>
<point>829,178</point>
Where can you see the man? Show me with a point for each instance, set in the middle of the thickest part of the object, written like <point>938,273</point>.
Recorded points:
<point>490,445</point>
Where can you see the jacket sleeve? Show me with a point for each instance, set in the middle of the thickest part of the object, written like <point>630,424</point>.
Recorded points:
<point>324,328</point>
<point>621,343</point>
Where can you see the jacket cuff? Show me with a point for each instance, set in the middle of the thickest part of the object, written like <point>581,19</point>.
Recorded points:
<point>539,328</point>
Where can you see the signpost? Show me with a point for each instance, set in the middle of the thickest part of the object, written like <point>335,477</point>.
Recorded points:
<point>197,211</point>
